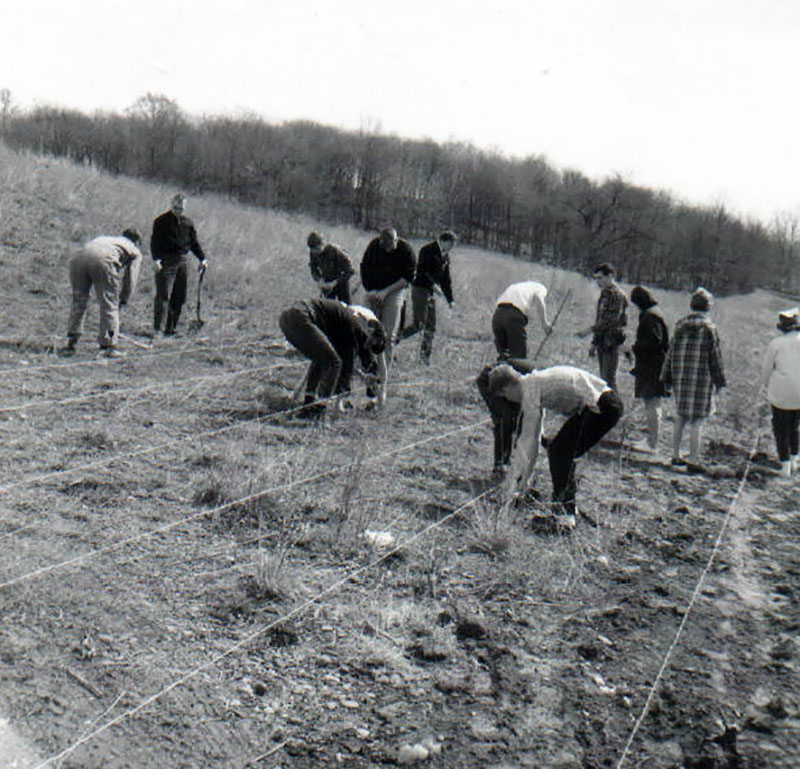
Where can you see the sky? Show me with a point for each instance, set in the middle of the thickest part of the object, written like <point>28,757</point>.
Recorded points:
<point>695,97</point>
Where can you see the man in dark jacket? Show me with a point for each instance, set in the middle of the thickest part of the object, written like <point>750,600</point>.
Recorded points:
<point>330,267</point>
<point>433,275</point>
<point>173,237</point>
<point>331,334</point>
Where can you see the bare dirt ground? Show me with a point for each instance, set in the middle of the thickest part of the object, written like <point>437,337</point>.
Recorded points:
<point>191,576</point>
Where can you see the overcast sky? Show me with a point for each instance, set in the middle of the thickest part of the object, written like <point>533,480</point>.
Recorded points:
<point>699,97</point>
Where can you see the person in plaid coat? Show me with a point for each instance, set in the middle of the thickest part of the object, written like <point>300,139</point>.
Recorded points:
<point>693,370</point>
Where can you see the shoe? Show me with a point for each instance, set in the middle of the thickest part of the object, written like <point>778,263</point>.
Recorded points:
<point>795,460</point>
<point>112,352</point>
<point>313,411</point>
<point>565,522</point>
<point>693,468</point>
<point>678,462</point>
<point>786,469</point>
<point>642,446</point>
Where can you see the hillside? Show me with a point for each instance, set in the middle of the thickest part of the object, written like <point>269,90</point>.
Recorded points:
<point>191,577</point>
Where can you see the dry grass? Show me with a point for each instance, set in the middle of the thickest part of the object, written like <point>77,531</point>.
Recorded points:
<point>252,511</point>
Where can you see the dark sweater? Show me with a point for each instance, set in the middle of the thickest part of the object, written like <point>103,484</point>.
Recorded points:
<point>344,332</point>
<point>433,267</point>
<point>380,268</point>
<point>173,237</point>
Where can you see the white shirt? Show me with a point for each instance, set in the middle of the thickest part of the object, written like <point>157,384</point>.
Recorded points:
<point>781,371</point>
<point>563,389</point>
<point>528,297</point>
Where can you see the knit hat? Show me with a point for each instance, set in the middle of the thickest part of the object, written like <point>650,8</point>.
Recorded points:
<point>701,299</point>
<point>789,320</point>
<point>314,240</point>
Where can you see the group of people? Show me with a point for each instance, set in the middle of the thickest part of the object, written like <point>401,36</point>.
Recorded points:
<point>688,367</point>
<point>111,265</point>
<point>332,332</point>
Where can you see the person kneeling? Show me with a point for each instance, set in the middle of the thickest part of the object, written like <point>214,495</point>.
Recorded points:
<point>330,334</point>
<point>593,409</point>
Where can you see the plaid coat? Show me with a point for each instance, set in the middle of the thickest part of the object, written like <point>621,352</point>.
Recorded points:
<point>694,366</point>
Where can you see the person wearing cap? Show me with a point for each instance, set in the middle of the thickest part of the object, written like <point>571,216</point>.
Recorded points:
<point>693,370</point>
<point>173,237</point>
<point>513,310</point>
<point>330,334</point>
<point>432,277</point>
<point>387,268</point>
<point>649,351</point>
<point>111,264</point>
<point>330,267</point>
<point>781,378</point>
<point>592,408</point>
<point>608,331</point>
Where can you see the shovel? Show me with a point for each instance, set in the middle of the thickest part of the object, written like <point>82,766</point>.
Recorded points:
<point>198,323</point>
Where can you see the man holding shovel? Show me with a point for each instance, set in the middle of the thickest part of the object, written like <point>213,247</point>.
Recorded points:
<point>173,237</point>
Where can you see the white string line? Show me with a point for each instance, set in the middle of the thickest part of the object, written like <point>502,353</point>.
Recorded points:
<point>227,506</point>
<point>190,436</point>
<point>249,638</point>
<point>690,606</point>
<point>199,346</point>
<point>175,383</point>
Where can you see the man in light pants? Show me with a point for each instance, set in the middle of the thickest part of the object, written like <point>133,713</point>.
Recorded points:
<point>387,268</point>
<point>110,264</point>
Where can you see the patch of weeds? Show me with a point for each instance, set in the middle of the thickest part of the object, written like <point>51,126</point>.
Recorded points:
<point>490,532</point>
<point>272,579</point>
<point>206,461</point>
<point>210,495</point>
<point>97,440</point>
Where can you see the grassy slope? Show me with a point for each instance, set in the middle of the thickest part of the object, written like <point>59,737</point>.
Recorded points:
<point>171,602</point>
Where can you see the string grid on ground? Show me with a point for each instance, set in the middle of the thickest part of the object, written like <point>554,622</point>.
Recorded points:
<point>250,637</point>
<point>198,346</point>
<point>690,606</point>
<point>42,477</point>
<point>228,505</point>
<point>158,387</point>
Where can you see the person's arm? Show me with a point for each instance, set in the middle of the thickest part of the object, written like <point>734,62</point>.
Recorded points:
<point>541,313</point>
<point>400,283</point>
<point>526,448</point>
<point>345,268</point>
<point>715,360</point>
<point>130,276</point>
<point>195,246</point>
<point>768,366</point>
<point>446,284</point>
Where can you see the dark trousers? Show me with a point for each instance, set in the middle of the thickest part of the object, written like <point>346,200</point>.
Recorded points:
<point>785,428</point>
<point>608,363</point>
<point>340,291</point>
<point>171,283</point>
<point>326,364</point>
<point>423,305</point>
<point>510,332</point>
<point>506,420</point>
<point>576,436</point>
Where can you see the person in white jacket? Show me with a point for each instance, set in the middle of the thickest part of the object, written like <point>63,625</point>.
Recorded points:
<point>781,377</point>
<point>110,264</point>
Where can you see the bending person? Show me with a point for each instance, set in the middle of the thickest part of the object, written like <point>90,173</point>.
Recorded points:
<point>593,409</point>
<point>111,265</point>
<point>331,334</point>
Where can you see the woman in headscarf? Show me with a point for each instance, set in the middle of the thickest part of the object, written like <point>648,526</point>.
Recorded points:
<point>693,370</point>
<point>649,350</point>
<point>781,377</point>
